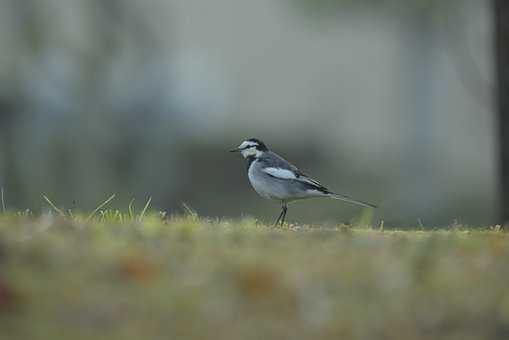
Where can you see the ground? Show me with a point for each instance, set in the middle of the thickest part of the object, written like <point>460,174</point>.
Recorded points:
<point>154,277</point>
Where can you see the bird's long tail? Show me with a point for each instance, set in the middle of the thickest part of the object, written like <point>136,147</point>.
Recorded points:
<point>350,200</point>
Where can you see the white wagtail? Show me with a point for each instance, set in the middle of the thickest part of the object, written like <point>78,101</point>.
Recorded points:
<point>275,178</point>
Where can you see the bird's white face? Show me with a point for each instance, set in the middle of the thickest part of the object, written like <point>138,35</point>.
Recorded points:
<point>248,149</point>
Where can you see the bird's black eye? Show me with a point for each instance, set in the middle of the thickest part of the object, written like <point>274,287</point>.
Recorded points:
<point>248,147</point>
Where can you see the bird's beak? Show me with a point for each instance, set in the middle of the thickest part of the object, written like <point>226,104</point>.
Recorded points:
<point>235,150</point>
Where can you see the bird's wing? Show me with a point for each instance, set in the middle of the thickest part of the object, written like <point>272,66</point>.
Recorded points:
<point>282,169</point>
<point>287,174</point>
<point>304,178</point>
<point>280,173</point>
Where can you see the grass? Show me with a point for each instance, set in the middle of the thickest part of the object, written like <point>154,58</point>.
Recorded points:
<point>144,275</point>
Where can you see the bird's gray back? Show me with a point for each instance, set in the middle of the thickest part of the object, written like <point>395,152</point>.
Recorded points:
<point>273,160</point>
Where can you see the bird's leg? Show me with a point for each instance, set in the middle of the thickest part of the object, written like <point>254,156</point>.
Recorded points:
<point>279,217</point>
<point>285,208</point>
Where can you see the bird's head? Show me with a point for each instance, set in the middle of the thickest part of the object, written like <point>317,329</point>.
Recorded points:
<point>251,148</point>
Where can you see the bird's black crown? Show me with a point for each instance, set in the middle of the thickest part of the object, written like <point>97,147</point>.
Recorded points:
<point>259,144</point>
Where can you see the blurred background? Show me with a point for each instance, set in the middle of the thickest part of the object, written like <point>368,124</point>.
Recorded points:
<point>386,101</point>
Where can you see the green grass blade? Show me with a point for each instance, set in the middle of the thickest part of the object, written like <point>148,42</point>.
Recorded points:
<point>131,209</point>
<point>60,212</point>
<point>142,214</point>
<point>189,210</point>
<point>100,206</point>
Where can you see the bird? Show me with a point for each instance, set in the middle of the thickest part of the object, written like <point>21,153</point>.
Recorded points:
<point>273,177</point>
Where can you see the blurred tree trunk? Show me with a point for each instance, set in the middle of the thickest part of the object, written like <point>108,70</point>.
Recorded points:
<point>9,177</point>
<point>502,73</point>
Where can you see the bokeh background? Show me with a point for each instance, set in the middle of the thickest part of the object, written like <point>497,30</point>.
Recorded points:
<point>386,101</point>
